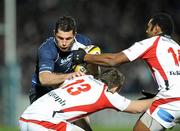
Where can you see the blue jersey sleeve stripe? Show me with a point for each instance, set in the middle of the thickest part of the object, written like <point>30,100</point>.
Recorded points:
<point>45,69</point>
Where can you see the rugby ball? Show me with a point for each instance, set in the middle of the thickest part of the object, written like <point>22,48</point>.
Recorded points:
<point>91,49</point>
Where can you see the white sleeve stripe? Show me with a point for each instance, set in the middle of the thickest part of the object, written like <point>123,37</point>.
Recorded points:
<point>45,71</point>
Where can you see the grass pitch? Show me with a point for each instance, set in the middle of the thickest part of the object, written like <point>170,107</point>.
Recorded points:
<point>96,128</point>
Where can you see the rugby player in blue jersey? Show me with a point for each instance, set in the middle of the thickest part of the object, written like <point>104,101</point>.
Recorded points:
<point>54,60</point>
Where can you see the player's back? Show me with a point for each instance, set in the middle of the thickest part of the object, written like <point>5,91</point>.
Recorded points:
<point>168,55</point>
<point>76,97</point>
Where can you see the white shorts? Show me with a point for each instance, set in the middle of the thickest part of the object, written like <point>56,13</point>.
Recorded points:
<point>35,125</point>
<point>166,111</point>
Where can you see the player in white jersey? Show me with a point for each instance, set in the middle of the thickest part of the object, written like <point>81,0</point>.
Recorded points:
<point>77,98</point>
<point>162,54</point>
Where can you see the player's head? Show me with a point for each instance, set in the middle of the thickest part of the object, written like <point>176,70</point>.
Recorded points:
<point>65,31</point>
<point>160,23</point>
<point>66,24</point>
<point>113,78</point>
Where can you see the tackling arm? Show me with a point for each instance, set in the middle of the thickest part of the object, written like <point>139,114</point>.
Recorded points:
<point>139,106</point>
<point>107,59</point>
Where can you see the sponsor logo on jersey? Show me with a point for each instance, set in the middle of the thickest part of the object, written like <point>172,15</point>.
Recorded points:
<point>57,98</point>
<point>67,59</point>
<point>164,115</point>
<point>174,72</point>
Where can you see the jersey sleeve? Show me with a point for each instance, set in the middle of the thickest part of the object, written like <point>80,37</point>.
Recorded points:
<point>118,101</point>
<point>46,60</point>
<point>139,48</point>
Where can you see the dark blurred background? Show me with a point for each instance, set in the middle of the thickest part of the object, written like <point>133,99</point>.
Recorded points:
<point>113,25</point>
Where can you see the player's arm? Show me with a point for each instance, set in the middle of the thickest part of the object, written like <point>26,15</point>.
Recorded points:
<point>115,59</point>
<point>107,59</point>
<point>139,106</point>
<point>53,79</point>
<point>47,76</point>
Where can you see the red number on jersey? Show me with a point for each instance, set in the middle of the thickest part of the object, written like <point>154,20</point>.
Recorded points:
<point>77,90</point>
<point>175,57</point>
<point>74,83</point>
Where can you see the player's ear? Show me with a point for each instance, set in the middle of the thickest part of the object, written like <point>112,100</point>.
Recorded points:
<point>157,29</point>
<point>114,89</point>
<point>54,32</point>
<point>75,33</point>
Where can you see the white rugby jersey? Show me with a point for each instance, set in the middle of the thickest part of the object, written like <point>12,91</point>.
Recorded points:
<point>162,54</point>
<point>76,98</point>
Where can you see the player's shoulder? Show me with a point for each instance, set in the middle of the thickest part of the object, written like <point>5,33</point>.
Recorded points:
<point>49,42</point>
<point>48,46</point>
<point>83,39</point>
<point>170,40</point>
<point>150,40</point>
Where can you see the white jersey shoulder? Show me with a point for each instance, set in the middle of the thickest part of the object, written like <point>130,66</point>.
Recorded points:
<point>138,48</point>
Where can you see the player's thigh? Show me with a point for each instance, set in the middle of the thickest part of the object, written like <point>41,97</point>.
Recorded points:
<point>147,123</point>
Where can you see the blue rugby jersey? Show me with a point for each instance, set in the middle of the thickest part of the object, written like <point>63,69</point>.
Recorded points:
<point>51,59</point>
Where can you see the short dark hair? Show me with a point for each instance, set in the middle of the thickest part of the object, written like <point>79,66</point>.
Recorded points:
<point>66,23</point>
<point>112,78</point>
<point>165,22</point>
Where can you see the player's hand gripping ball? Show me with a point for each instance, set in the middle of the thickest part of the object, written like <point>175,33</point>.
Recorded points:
<point>91,49</point>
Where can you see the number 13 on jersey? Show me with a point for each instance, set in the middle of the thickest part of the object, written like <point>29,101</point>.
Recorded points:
<point>77,87</point>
